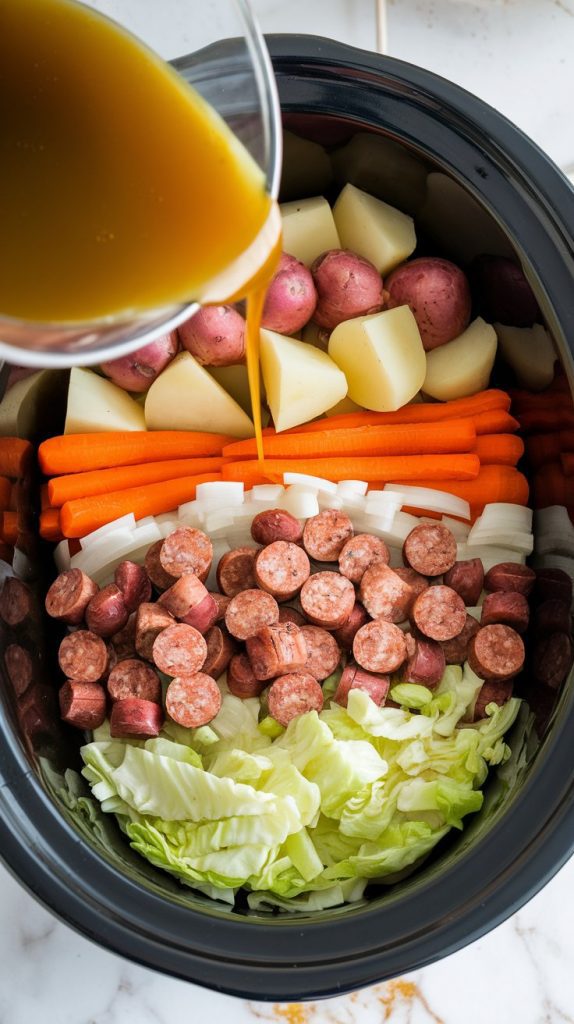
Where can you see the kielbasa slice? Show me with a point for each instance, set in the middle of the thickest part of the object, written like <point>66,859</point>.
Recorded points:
<point>241,680</point>
<point>133,678</point>
<point>439,613</point>
<point>288,614</point>
<point>384,594</point>
<point>467,580</point>
<point>359,553</point>
<point>220,650</point>
<point>510,576</point>
<point>134,583</point>
<point>82,705</point>
<point>186,594</point>
<point>69,596</point>
<point>380,647</point>
<point>222,602</point>
<point>348,631</point>
<point>553,658</point>
<point>187,550</point>
<point>155,570</point>
<point>124,641</point>
<point>325,535</point>
<point>323,652</point>
<point>135,719</point>
<point>276,524</point>
<point>179,650</point>
<point>236,571</point>
<point>83,656</point>
<point>413,579</point>
<point>430,549</point>
<point>355,678</point>
<point>193,701</point>
<point>456,650</point>
<point>16,602</point>
<point>281,569</point>
<point>107,613</point>
<point>20,667</point>
<point>327,599</point>
<point>491,692</point>
<point>293,695</point>
<point>150,620</point>
<point>276,649</point>
<point>426,663</point>
<point>506,607</point>
<point>496,652</point>
<point>249,611</point>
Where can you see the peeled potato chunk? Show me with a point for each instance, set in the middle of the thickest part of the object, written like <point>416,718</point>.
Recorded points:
<point>95,404</point>
<point>186,397</point>
<point>301,382</point>
<point>308,228</point>
<point>530,353</point>
<point>373,229</point>
<point>462,366</point>
<point>382,357</point>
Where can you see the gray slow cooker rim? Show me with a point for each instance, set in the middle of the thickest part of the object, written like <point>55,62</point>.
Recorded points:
<point>291,958</point>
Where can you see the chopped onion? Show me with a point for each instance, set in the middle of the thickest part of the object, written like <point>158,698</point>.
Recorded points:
<point>218,521</point>
<point>300,501</point>
<point>523,542</point>
<point>220,493</point>
<point>489,554</point>
<point>431,500</point>
<point>267,492</point>
<point>327,500</point>
<point>475,611</point>
<point>459,530</point>
<point>502,513</point>
<point>348,487</point>
<point>62,555</point>
<point>190,513</point>
<point>310,481</point>
<point>124,522</point>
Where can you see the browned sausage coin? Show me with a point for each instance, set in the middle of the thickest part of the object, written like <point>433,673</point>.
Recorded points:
<point>249,611</point>
<point>496,652</point>
<point>236,571</point>
<point>83,656</point>
<point>133,678</point>
<point>327,599</point>
<point>179,650</point>
<point>69,596</point>
<point>325,535</point>
<point>281,569</point>
<point>187,550</point>
<point>193,701</point>
<point>430,549</point>
<point>439,613</point>
<point>293,695</point>
<point>380,646</point>
<point>359,553</point>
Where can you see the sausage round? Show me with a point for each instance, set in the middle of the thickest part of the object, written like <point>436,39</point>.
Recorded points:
<point>134,583</point>
<point>186,594</point>
<point>430,549</point>
<point>249,611</point>
<point>293,695</point>
<point>327,599</point>
<point>354,678</point>
<point>380,647</point>
<point>204,615</point>
<point>467,579</point>
<point>288,614</point>
<point>491,692</point>
<point>222,602</point>
<point>510,576</point>
<point>426,664</point>
<point>506,607</point>
<point>82,705</point>
<point>496,652</point>
<point>220,650</point>
<point>553,616</point>
<point>187,550</point>
<point>193,701</point>
<point>124,641</point>
<point>281,569</point>
<point>241,681</point>
<point>553,583</point>
<point>323,652</point>
<point>150,620</point>
<point>456,650</point>
<point>359,553</point>
<point>179,650</point>
<point>325,535</point>
<point>236,571</point>
<point>155,570</point>
<point>439,613</point>
<point>347,632</point>
<point>413,579</point>
<point>16,602</point>
<point>133,678</point>
<point>135,719</point>
<point>107,612</point>
<point>20,667</point>
<point>276,649</point>
<point>553,658</point>
<point>83,656</point>
<point>384,594</point>
<point>69,596</point>
<point>276,524</point>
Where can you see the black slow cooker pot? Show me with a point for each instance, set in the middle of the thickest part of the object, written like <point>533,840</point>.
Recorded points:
<point>475,184</point>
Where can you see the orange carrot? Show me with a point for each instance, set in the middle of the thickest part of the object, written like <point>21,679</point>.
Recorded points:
<point>10,527</point>
<point>402,439</point>
<point>83,515</point>
<point>499,449</point>
<point>76,453</point>
<point>493,483</point>
<point>102,481</point>
<point>392,467</point>
<point>50,525</point>
<point>5,489</point>
<point>489,421</point>
<point>15,456</point>
<point>495,421</point>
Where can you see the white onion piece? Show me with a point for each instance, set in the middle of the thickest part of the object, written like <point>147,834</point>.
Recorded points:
<point>238,536</point>
<point>219,493</point>
<point>23,568</point>
<point>62,555</point>
<point>327,500</point>
<point>301,503</point>
<point>504,512</point>
<point>379,501</point>
<point>218,521</point>
<point>523,542</point>
<point>267,492</point>
<point>489,555</point>
<point>148,521</point>
<point>430,500</point>
<point>348,487</point>
<point>245,514</point>
<point>458,530</point>
<point>310,481</point>
<point>100,554</point>
<point>124,522</point>
<point>475,611</point>
<point>191,514</point>
<point>168,526</point>
<point>387,528</point>
<point>352,503</point>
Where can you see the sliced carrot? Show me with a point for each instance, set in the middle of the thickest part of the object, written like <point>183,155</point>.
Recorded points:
<point>102,481</point>
<point>493,483</point>
<point>400,439</point>
<point>5,490</point>
<point>76,453</point>
<point>10,527</point>
<point>15,456</point>
<point>83,515</point>
<point>499,449</point>
<point>391,467</point>
<point>50,525</point>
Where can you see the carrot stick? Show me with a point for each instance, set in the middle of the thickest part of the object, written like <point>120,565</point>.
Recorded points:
<point>493,483</point>
<point>83,515</point>
<point>45,498</point>
<point>402,439</point>
<point>10,527</point>
<point>15,456</point>
<point>499,449</point>
<point>76,453</point>
<point>495,421</point>
<point>392,467</point>
<point>102,481</point>
<point>5,489</point>
<point>50,525</point>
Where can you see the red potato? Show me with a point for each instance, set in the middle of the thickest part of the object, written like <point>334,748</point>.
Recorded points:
<point>504,295</point>
<point>347,286</point>
<point>215,336</point>
<point>291,297</point>
<point>138,370</point>
<point>438,295</point>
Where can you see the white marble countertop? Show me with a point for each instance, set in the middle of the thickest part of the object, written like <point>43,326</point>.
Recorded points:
<point>517,55</point>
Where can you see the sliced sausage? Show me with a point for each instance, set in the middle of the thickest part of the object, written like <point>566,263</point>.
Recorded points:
<point>222,602</point>
<point>359,553</point>
<point>354,678</point>
<point>467,579</point>
<point>16,602</point>
<point>439,613</point>
<point>281,569</point>
<point>187,550</point>
<point>193,701</point>
<point>82,705</point>
<point>83,656</point>
<point>155,570</point>
<point>220,650</point>
<point>413,579</point>
<point>150,620</point>
<point>236,571</point>
<point>133,678</point>
<point>323,652</point>
<point>553,658</point>
<point>204,615</point>
<point>135,719</point>
<point>183,596</point>
<point>325,535</point>
<point>276,649</point>
<point>106,613</point>
<point>553,584</point>
<point>456,650</point>
<point>124,641</point>
<point>327,599</point>
<point>293,695</point>
<point>380,647</point>
<point>553,616</point>
<point>493,691</point>
<point>384,594</point>
<point>510,576</point>
<point>276,524</point>
<point>179,650</point>
<point>426,663</point>
<point>134,583</point>
<point>496,652</point>
<point>506,607</point>
<point>20,668</point>
<point>430,549</point>
<point>347,632</point>
<point>38,715</point>
<point>288,614</point>
<point>241,680</point>
<point>69,596</point>
<point>249,611</point>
